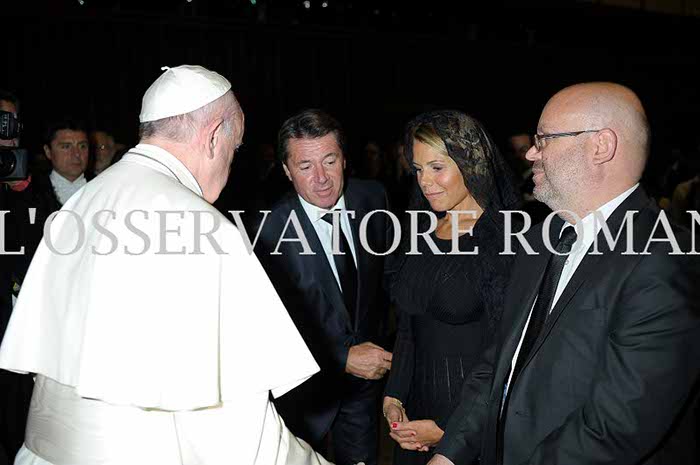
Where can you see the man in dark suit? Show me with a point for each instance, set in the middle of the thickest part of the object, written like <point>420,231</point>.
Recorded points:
<point>596,359</point>
<point>335,299</point>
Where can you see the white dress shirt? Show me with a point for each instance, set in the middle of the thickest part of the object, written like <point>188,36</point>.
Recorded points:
<point>64,188</point>
<point>324,230</point>
<point>587,232</point>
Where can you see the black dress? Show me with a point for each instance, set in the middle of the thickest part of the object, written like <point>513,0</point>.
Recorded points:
<point>444,325</point>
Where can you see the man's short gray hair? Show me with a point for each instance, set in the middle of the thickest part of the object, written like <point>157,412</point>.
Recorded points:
<point>181,128</point>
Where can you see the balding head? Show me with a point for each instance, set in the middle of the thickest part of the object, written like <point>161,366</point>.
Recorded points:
<point>582,172</point>
<point>613,106</point>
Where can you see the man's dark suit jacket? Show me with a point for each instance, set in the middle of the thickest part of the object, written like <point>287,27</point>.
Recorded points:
<point>308,288</point>
<point>612,378</point>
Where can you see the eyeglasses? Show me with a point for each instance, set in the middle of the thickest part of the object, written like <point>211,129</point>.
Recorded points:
<point>541,138</point>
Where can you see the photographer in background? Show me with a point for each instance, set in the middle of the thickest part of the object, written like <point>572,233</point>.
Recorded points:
<point>13,161</point>
<point>15,389</point>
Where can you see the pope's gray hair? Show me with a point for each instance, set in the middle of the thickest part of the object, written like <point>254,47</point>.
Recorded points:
<point>181,128</point>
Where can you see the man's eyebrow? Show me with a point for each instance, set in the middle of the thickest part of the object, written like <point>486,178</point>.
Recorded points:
<point>308,160</point>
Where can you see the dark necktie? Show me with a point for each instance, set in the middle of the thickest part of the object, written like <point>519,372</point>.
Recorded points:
<point>545,296</point>
<point>347,271</point>
<point>539,315</point>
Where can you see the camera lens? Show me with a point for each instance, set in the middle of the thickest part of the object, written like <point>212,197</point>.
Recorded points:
<point>8,162</point>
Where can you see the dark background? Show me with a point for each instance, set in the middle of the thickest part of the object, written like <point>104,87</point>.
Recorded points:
<point>372,64</point>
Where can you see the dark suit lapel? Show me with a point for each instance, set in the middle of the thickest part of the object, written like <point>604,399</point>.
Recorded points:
<point>319,261</point>
<point>590,263</point>
<point>362,256</point>
<point>583,272</point>
<point>523,297</point>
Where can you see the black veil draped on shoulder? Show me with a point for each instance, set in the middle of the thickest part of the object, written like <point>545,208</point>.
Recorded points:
<point>490,181</point>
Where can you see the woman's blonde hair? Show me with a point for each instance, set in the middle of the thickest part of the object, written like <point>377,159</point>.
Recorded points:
<point>427,135</point>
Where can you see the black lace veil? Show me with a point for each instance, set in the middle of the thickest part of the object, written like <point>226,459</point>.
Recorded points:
<point>485,172</point>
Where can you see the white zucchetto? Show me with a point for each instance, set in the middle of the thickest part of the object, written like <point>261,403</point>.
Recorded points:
<point>180,90</point>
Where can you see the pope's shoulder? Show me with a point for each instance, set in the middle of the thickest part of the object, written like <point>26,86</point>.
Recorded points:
<point>130,186</point>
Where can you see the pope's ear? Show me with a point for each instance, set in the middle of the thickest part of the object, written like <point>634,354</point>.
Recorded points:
<point>216,135</point>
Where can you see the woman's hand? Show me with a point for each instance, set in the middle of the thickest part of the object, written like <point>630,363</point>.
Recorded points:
<point>417,435</point>
<point>393,410</point>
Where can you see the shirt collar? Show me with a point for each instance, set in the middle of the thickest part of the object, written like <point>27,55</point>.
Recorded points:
<point>316,213</point>
<point>170,161</point>
<point>57,178</point>
<point>63,188</point>
<point>590,227</point>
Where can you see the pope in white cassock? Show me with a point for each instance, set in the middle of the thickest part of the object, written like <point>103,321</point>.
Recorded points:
<point>155,336</point>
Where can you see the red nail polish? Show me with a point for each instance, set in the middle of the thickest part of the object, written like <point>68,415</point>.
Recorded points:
<point>394,425</point>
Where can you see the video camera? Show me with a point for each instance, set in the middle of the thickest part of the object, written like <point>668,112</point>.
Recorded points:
<point>14,162</point>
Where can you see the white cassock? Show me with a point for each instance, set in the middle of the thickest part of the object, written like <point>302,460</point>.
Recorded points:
<point>155,336</point>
